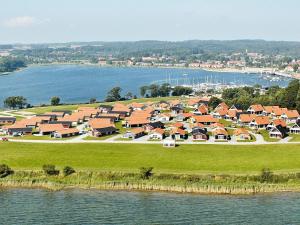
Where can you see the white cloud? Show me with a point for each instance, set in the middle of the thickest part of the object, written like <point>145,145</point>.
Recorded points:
<point>23,21</point>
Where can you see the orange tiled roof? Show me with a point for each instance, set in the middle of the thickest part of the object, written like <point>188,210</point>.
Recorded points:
<point>158,130</point>
<point>68,131</point>
<point>292,114</point>
<point>262,120</point>
<point>98,123</point>
<point>240,131</point>
<point>205,119</point>
<point>219,131</point>
<point>280,122</point>
<point>257,107</point>
<point>50,127</point>
<point>247,118</point>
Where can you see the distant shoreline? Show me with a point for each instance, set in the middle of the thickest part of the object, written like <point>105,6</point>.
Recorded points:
<point>250,70</point>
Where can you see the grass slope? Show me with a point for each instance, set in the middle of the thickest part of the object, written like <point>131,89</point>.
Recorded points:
<point>189,159</point>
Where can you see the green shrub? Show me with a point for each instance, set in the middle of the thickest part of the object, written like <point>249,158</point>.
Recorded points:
<point>68,170</point>
<point>146,172</point>
<point>50,170</point>
<point>5,170</point>
<point>266,175</point>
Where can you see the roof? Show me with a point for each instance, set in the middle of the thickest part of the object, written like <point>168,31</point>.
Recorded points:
<point>194,101</point>
<point>68,131</point>
<point>205,119</point>
<point>136,105</point>
<point>97,123</point>
<point>221,111</point>
<point>240,131</point>
<point>257,108</point>
<point>247,118</point>
<point>137,130</point>
<point>135,120</point>
<point>158,130</point>
<point>50,127</point>
<point>187,115</point>
<point>118,107</point>
<point>8,118</point>
<point>203,109</point>
<point>262,120</point>
<point>178,124</point>
<point>219,131</point>
<point>292,114</point>
<point>178,131</point>
<point>232,113</point>
<point>75,117</point>
<point>278,122</point>
<point>222,105</point>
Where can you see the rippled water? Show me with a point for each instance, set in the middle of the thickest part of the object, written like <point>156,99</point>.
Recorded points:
<point>79,83</point>
<point>22,206</point>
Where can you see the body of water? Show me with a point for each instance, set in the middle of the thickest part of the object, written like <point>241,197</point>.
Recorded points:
<point>24,206</point>
<point>79,83</point>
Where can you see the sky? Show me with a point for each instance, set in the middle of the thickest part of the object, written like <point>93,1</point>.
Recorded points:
<point>48,21</point>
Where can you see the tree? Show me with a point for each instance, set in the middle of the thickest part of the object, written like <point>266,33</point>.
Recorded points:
<point>128,96</point>
<point>5,170</point>
<point>50,170</point>
<point>164,90</point>
<point>146,172</point>
<point>290,94</point>
<point>68,170</point>
<point>295,67</point>
<point>180,90</point>
<point>154,90</point>
<point>55,100</point>
<point>214,102</point>
<point>143,90</point>
<point>8,64</point>
<point>92,100</point>
<point>15,102</point>
<point>114,95</point>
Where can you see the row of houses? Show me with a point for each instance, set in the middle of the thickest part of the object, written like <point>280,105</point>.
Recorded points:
<point>178,119</point>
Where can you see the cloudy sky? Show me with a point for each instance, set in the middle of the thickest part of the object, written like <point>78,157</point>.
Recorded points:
<point>36,21</point>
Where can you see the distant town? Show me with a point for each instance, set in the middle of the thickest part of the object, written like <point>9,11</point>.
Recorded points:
<point>272,58</point>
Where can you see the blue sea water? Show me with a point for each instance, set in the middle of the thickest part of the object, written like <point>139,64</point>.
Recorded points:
<point>25,206</point>
<point>79,83</point>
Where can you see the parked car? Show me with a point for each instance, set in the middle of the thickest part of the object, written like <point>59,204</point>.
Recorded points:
<point>4,139</point>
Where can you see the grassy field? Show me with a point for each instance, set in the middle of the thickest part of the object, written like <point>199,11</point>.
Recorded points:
<point>186,159</point>
<point>266,136</point>
<point>295,137</point>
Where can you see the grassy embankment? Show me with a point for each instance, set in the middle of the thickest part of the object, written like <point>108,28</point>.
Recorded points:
<point>188,168</point>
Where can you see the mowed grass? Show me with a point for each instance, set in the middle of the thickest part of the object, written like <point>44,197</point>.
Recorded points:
<point>185,159</point>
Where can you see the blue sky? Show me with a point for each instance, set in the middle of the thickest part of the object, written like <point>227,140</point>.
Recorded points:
<point>37,21</point>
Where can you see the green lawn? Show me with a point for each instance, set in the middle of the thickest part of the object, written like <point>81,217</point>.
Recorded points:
<point>266,136</point>
<point>190,159</point>
<point>91,138</point>
<point>226,123</point>
<point>295,137</point>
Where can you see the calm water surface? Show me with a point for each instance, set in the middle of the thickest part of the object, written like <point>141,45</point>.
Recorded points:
<point>22,206</point>
<point>79,83</point>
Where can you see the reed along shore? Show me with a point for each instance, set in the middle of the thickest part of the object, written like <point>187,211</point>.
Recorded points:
<point>198,184</point>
